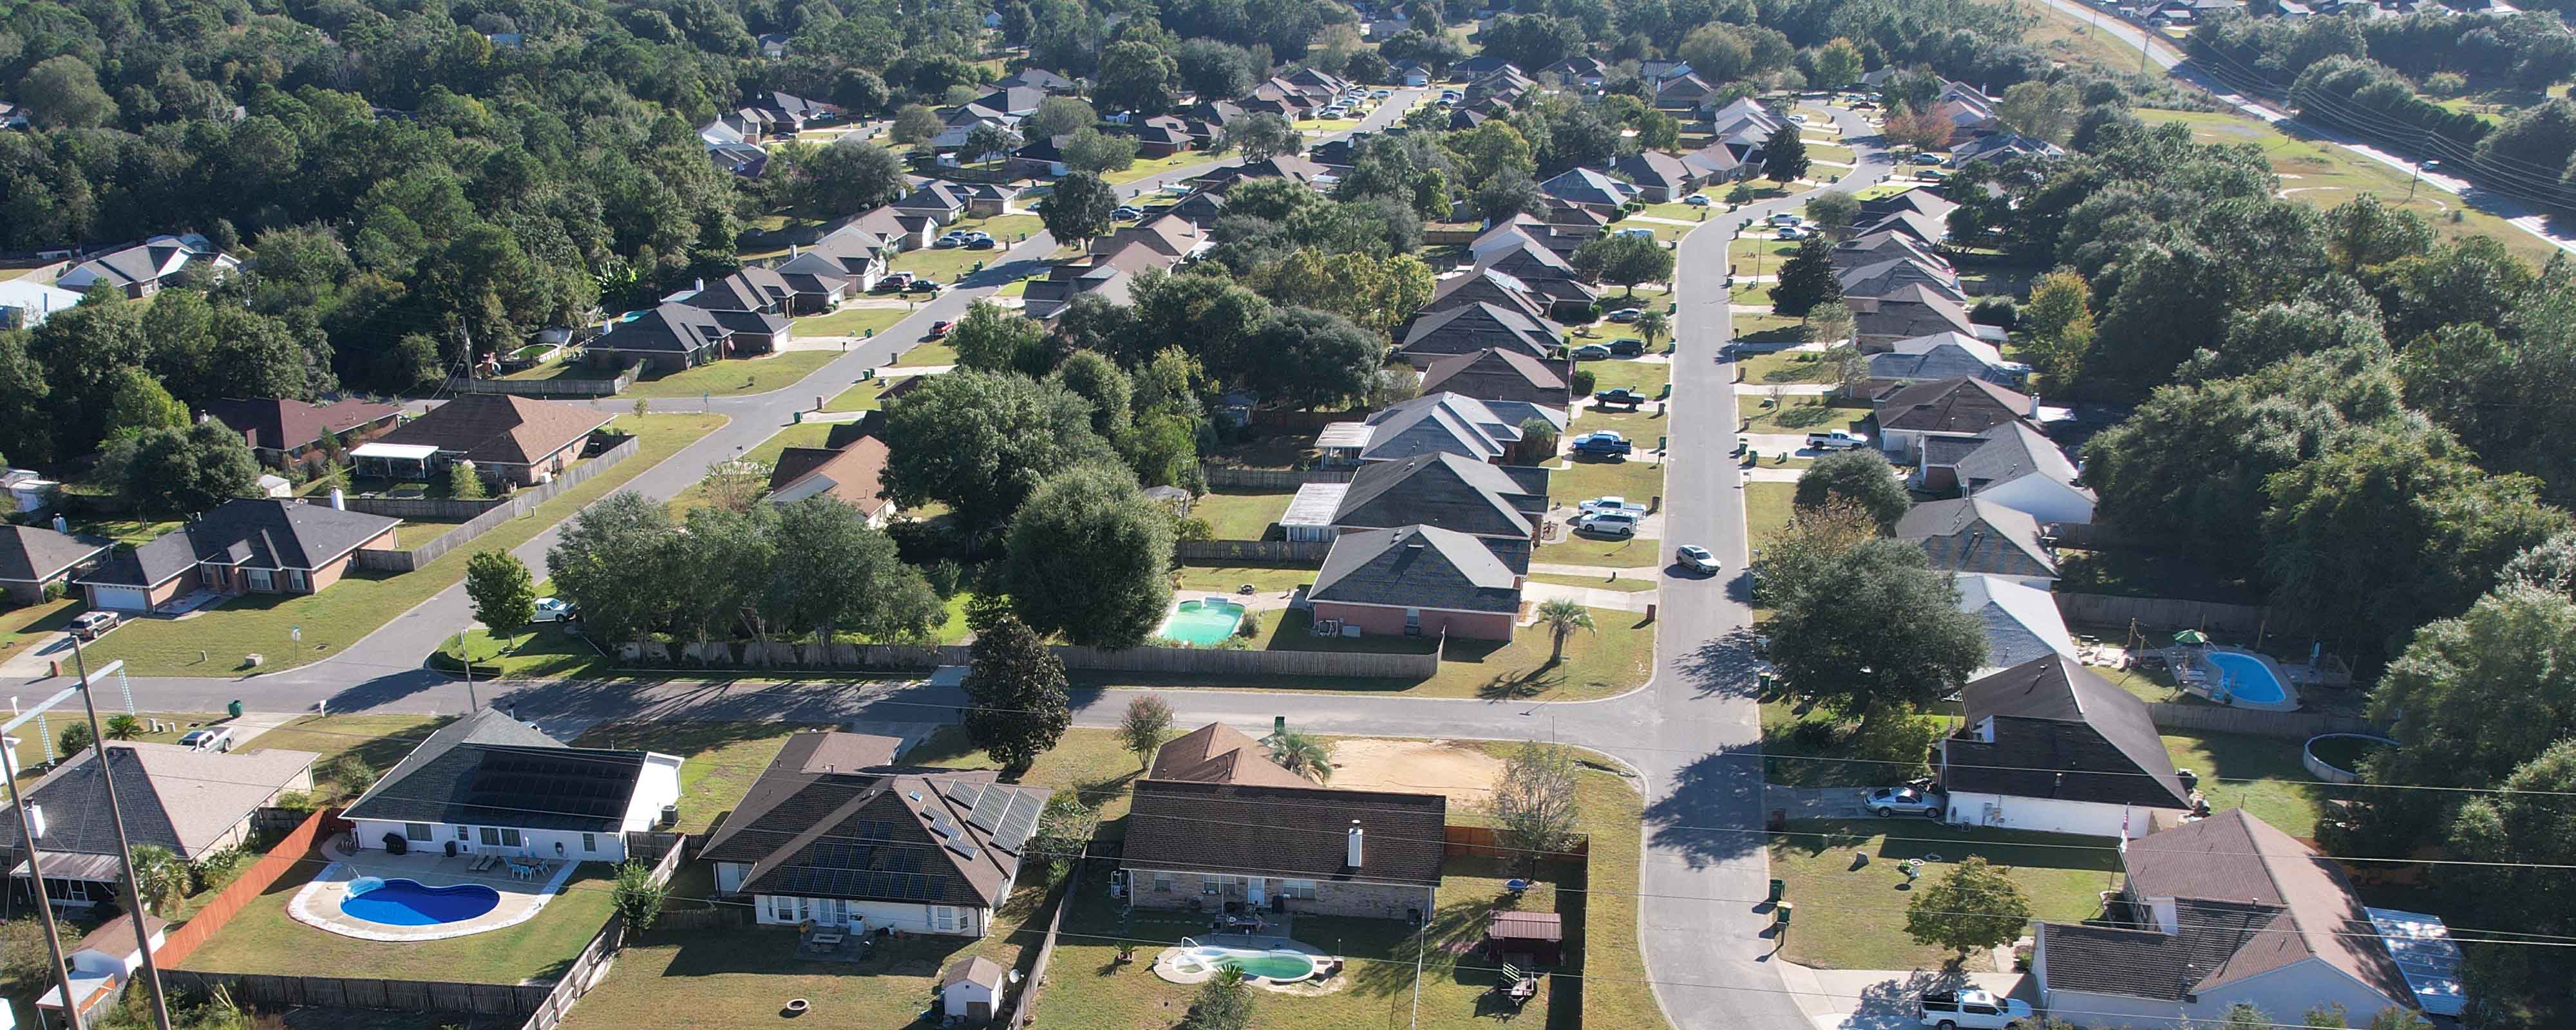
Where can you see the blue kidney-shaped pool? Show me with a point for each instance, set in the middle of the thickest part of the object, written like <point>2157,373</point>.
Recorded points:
<point>411,903</point>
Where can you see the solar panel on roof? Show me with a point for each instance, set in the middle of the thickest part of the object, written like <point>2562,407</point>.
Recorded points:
<point>962,792</point>
<point>963,849</point>
<point>943,827</point>
<point>1018,823</point>
<point>988,810</point>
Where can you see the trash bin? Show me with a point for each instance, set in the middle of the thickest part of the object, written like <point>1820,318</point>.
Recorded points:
<point>1778,887</point>
<point>1782,913</point>
<point>233,708</point>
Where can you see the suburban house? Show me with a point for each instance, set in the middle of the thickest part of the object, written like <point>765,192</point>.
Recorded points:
<point>836,835</point>
<point>2022,621</point>
<point>1291,167</point>
<point>1500,289</point>
<point>2002,146</point>
<point>1907,312</point>
<point>1925,229</point>
<point>1173,238</point>
<point>1583,71</point>
<point>142,270</point>
<point>1515,251</point>
<point>490,784</point>
<point>665,338</point>
<point>1886,278</point>
<point>284,432</point>
<point>25,303</point>
<point>1972,534</point>
<point>1589,187</point>
<point>33,559</point>
<point>2047,745</point>
<point>100,966</point>
<point>192,802</point>
<point>842,265</point>
<point>851,474</point>
<point>1909,416</point>
<point>1108,275</point>
<point>1434,424</point>
<point>2229,911</point>
<point>2011,465</point>
<point>509,439</point>
<point>1036,78</point>
<point>1661,178</point>
<point>939,200</point>
<point>1683,93</point>
<point>1939,356</point>
<point>1251,845</point>
<point>1918,200</point>
<point>1479,65</point>
<point>243,546</point>
<point>901,230</point>
<point>1502,375</point>
<point>749,305</point>
<point>1872,248</point>
<point>1218,753</point>
<point>1473,327</point>
<point>1502,504</point>
<point>1417,581</point>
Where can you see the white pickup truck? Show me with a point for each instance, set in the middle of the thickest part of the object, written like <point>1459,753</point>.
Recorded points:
<point>1971,1009</point>
<point>1837,440</point>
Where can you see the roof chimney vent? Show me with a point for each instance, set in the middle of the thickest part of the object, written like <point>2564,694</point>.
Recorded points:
<point>1353,859</point>
<point>339,501</point>
<point>36,823</point>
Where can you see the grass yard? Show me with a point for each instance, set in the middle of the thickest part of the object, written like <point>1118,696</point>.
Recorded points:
<point>1617,655</point>
<point>1238,514</point>
<point>719,759</point>
<point>765,453</point>
<point>927,354</point>
<point>1223,579</point>
<point>1745,251</point>
<point>864,395</point>
<point>22,627</point>
<point>126,531</point>
<point>1834,153</point>
<point>852,321</point>
<point>1632,553</point>
<point>2327,175</point>
<point>413,534</point>
<point>541,651</point>
<point>736,377</point>
<point>1767,507</point>
<point>1685,211</point>
<point>1148,167</point>
<point>1639,475</point>
<point>264,939</point>
<point>2252,773</point>
<point>214,643</point>
<point>948,264</point>
<point>2076,41</point>
<point>1092,762</point>
<point>1646,377</point>
<point>1788,366</point>
<point>1851,912</point>
<point>1611,580</point>
<point>1768,328</point>
<point>1806,415</point>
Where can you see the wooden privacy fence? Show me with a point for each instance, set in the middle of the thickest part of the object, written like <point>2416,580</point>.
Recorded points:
<point>296,846</point>
<point>584,973</point>
<point>1483,842</point>
<point>2281,725</point>
<point>1357,664</point>
<point>1024,1008</point>
<point>1300,552</point>
<point>516,505</point>
<point>1269,479</point>
<point>272,992</point>
<point>560,386</point>
<point>2171,613</point>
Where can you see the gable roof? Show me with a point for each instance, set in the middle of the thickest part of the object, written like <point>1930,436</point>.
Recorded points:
<point>1912,223</point>
<point>488,428</point>
<point>287,424</point>
<point>2060,732</point>
<point>1416,567</point>
<point>1950,358</point>
<point>144,262</point>
<point>1497,374</point>
<point>2011,451</point>
<point>489,769</point>
<point>1491,285</point>
<point>1889,277</point>
<point>2022,621</point>
<point>1477,326</point>
<point>1218,753</point>
<point>1297,832</point>
<point>813,826</point>
<point>1971,534</point>
<point>1446,422</point>
<point>852,474</point>
<point>33,554</point>
<point>1588,186</point>
<point>1871,248</point>
<point>175,797</point>
<point>1442,490</point>
<point>1958,406</point>
<point>1908,311</point>
<point>750,288</point>
<point>666,328</point>
<point>261,533</point>
<point>1654,168</point>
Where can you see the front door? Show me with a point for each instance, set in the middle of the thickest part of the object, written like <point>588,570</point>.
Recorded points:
<point>1257,892</point>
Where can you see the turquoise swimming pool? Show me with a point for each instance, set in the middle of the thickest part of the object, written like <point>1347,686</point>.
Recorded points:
<point>1204,622</point>
<point>2248,681</point>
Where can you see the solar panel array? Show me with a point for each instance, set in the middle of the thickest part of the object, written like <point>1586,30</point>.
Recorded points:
<point>1006,816</point>
<point>578,787</point>
<point>2425,955</point>
<point>814,882</point>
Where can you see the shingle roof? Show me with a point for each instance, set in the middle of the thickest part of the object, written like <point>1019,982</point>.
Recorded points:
<point>2061,732</point>
<point>811,827</point>
<point>1654,168</point>
<point>489,769</point>
<point>1489,285</point>
<point>855,472</point>
<point>2021,621</point>
<point>1416,567</point>
<point>1886,278</point>
<point>1588,186</point>
<point>496,428</point>
<point>1478,326</point>
<point>1944,362</point>
<point>1442,490</point>
<point>286,425</point>
<point>665,329</point>
<point>1449,423</point>
<point>2014,450</point>
<point>175,797</point>
<point>1495,374</point>
<point>1959,406</point>
<point>251,533</point>
<point>31,554</point>
<point>1295,832</point>
<point>1218,753</point>
<point>1909,311</point>
<point>1969,534</point>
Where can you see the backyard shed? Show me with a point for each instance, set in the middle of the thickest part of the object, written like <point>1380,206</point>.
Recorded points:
<point>972,989</point>
<point>1539,935</point>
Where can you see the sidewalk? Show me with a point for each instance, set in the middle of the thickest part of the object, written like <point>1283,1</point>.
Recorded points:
<point>1884,999</point>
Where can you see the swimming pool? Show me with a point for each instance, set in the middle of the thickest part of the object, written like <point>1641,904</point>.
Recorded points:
<point>2247,680</point>
<point>411,903</point>
<point>1284,965</point>
<point>1205,621</point>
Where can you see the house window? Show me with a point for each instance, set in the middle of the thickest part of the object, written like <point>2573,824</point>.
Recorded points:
<point>465,833</point>
<point>1297,889</point>
<point>782,909</point>
<point>1217,884</point>
<point>500,837</point>
<point>259,580</point>
<point>416,831</point>
<point>590,842</point>
<point>1162,883</point>
<point>944,919</point>
<point>295,580</point>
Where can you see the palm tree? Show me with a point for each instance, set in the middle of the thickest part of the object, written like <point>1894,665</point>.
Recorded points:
<point>1651,324</point>
<point>1563,616</point>
<point>160,877</point>
<point>124,727</point>
<point>1303,755</point>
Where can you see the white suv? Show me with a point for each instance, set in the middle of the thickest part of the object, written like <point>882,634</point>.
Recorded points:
<point>1972,1009</point>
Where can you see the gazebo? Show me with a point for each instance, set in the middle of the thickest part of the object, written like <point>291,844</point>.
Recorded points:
<point>393,460</point>
<point>1540,936</point>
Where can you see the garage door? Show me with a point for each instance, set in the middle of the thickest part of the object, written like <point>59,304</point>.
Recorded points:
<point>124,599</point>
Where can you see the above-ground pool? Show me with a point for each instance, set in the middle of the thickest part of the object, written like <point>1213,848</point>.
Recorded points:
<point>1285,965</point>
<point>2248,680</point>
<point>411,903</point>
<point>1205,621</point>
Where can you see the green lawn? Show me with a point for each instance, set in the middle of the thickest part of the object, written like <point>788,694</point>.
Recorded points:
<point>1646,377</point>
<point>1743,251</point>
<point>735,377</point>
<point>1788,366</point>
<point>1233,514</point>
<point>362,601</point>
<point>1834,152</point>
<point>23,626</point>
<point>2266,772</point>
<point>1146,167</point>
<point>766,452</point>
<point>1765,327</point>
<point>1804,414</point>
<point>927,354</point>
<point>949,264</point>
<point>719,759</point>
<point>264,939</point>
<point>1223,579</point>
<point>852,321</point>
<point>1851,914</point>
<point>1766,509</point>
<point>413,534</point>
<point>1631,553</point>
<point>538,652</point>
<point>861,396</point>
<point>1609,580</point>
<point>1684,211</point>
<point>1617,655</point>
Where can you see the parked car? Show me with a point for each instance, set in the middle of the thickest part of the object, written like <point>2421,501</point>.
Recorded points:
<point>1793,232</point>
<point>92,625</point>
<point>1608,523</point>
<point>1971,1009</point>
<point>1625,315</point>
<point>1628,347</point>
<point>1619,395</point>
<point>1598,505</point>
<point>211,738</point>
<point>981,243</point>
<point>556,609</point>
<point>1798,118</point>
<point>1602,442</point>
<point>1591,352</point>
<point>1837,440</point>
<point>894,282</point>
<point>1126,214</point>
<point>939,328</point>
<point>1451,96</point>
<point>1634,232</point>
<point>1784,218</point>
<point>1696,558</point>
<point>1698,200</point>
<point>1890,802</point>
<point>923,286</point>
<point>951,240</point>
<point>1380,94</point>
<point>1929,159</point>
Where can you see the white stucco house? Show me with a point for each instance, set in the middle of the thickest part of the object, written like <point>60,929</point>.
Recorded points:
<point>2047,745</point>
<point>488,783</point>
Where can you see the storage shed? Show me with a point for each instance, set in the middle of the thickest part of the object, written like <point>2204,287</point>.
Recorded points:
<point>1538,935</point>
<point>972,989</point>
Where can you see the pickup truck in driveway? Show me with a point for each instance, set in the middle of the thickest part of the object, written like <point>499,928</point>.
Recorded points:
<point>1836,441</point>
<point>1621,395</point>
<point>1971,1009</point>
<point>1603,443</point>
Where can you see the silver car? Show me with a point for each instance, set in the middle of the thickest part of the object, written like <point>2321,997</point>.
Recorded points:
<point>1890,802</point>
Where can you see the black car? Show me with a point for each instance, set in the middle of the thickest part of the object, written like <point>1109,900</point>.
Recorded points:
<point>1621,395</point>
<point>980,243</point>
<point>922,286</point>
<point>1627,347</point>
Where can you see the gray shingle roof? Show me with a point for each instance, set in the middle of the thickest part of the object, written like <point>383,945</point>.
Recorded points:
<point>1968,534</point>
<point>1298,832</point>
<point>33,554</point>
<point>1478,326</point>
<point>1416,567</point>
<point>254,534</point>
<point>1497,375</point>
<point>2061,732</point>
<point>821,823</point>
<point>2014,450</point>
<point>178,798</point>
<point>489,769</point>
<point>666,329</point>
<point>1959,406</point>
<point>1442,490</point>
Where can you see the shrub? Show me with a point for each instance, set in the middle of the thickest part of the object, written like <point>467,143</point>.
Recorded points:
<point>351,772</point>
<point>1583,381</point>
<point>1994,311</point>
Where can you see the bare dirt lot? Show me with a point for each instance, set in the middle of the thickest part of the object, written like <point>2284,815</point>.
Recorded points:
<point>1462,771</point>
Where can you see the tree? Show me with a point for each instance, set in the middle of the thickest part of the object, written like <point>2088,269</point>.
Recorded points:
<point>1837,64</point>
<point>605,562</point>
<point>1065,829</point>
<point>1015,691</point>
<point>2365,233</point>
<point>1135,76</point>
<point>1807,279</point>
<point>1313,358</point>
<point>2057,326</point>
<point>1974,905</point>
<point>1091,150</point>
<point>1213,70</point>
<point>1534,805</point>
<point>636,897</point>
<point>140,403</point>
<point>124,727</point>
<point>64,94</point>
<point>1539,436</point>
<point>1090,525</point>
<point>76,738</point>
<point>463,484</point>
<point>988,142</point>
<point>1368,66</point>
<point>160,877</point>
<point>1835,211</point>
<point>1832,324</point>
<point>981,442</point>
<point>914,123</point>
<point>1508,195</point>
<point>505,597</point>
<point>1879,633</point>
<point>2481,694</point>
<point>2042,110</point>
<point>1857,477</point>
<point>1147,722</point>
<point>1624,260</point>
<point>849,176</point>
<point>181,471</point>
<point>1096,379</point>
<point>2510,836</point>
<point>1081,208</point>
<point>735,484</point>
<point>1223,1003</point>
<point>1262,136</point>
<point>1057,116</point>
<point>1562,617</point>
<point>1304,754</point>
<point>1921,130</point>
<point>850,578</point>
<point>992,338</point>
<point>1784,155</point>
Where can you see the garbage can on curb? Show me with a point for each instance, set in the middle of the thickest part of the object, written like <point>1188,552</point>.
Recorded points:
<point>233,708</point>
<point>1783,912</point>
<point>1778,887</point>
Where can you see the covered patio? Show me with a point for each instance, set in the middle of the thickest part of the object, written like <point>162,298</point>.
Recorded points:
<point>393,460</point>
<point>523,891</point>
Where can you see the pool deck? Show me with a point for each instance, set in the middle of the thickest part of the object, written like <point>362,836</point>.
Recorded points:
<point>1164,630</point>
<point>1166,963</point>
<point>318,903</point>
<point>2209,684</point>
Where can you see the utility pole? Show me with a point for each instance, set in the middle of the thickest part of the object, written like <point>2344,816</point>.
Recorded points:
<point>36,873</point>
<point>2415,175</point>
<point>466,659</point>
<point>124,850</point>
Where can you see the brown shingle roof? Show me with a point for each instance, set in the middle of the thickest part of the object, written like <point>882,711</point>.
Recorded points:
<point>856,472</point>
<point>286,425</point>
<point>1217,753</point>
<point>489,428</point>
<point>1299,832</point>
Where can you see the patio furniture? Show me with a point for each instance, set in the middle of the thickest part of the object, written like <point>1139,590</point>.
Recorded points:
<point>1517,987</point>
<point>827,938</point>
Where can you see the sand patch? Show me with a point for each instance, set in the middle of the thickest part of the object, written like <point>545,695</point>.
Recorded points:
<point>1461,771</point>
